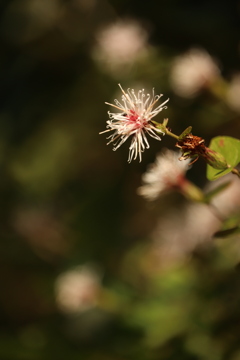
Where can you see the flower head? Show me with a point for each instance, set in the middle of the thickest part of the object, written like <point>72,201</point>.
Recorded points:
<point>193,71</point>
<point>167,173</point>
<point>134,119</point>
<point>77,289</point>
<point>182,230</point>
<point>119,45</point>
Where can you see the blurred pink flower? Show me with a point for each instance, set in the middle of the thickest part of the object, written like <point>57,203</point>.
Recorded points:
<point>168,172</point>
<point>77,289</point>
<point>134,119</point>
<point>227,202</point>
<point>233,93</point>
<point>180,231</point>
<point>192,71</point>
<point>119,45</point>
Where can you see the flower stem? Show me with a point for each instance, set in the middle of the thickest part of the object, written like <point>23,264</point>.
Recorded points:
<point>168,132</point>
<point>163,128</point>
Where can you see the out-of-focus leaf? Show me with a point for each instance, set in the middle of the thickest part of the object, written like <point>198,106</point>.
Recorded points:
<point>224,233</point>
<point>229,147</point>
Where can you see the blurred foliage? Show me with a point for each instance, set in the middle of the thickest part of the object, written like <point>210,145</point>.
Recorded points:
<point>67,200</point>
<point>229,148</point>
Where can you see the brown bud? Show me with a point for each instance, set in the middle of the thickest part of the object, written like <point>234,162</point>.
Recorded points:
<point>194,146</point>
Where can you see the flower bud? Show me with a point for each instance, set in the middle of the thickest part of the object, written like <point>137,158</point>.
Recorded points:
<point>215,159</point>
<point>193,147</point>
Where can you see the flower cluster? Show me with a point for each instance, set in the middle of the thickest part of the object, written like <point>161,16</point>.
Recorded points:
<point>193,71</point>
<point>77,289</point>
<point>167,173</point>
<point>134,119</point>
<point>119,45</point>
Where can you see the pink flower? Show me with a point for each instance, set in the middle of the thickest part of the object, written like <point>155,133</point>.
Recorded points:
<point>119,45</point>
<point>134,119</point>
<point>77,289</point>
<point>193,71</point>
<point>167,173</point>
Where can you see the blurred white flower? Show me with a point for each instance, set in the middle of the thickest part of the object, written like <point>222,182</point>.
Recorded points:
<point>227,201</point>
<point>77,290</point>
<point>168,172</point>
<point>119,44</point>
<point>134,119</point>
<point>233,93</point>
<point>178,233</point>
<point>192,71</point>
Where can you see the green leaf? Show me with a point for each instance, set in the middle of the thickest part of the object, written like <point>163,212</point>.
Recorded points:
<point>228,232</point>
<point>229,147</point>
<point>185,133</point>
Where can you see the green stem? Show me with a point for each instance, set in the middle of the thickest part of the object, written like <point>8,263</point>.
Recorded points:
<point>168,132</point>
<point>163,127</point>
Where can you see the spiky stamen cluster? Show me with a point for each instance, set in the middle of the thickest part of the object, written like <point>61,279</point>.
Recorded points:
<point>134,118</point>
<point>167,173</point>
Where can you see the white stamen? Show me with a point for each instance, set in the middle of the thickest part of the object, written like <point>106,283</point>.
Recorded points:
<point>134,119</point>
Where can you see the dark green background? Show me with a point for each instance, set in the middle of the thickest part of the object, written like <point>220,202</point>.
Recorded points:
<point>68,200</point>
